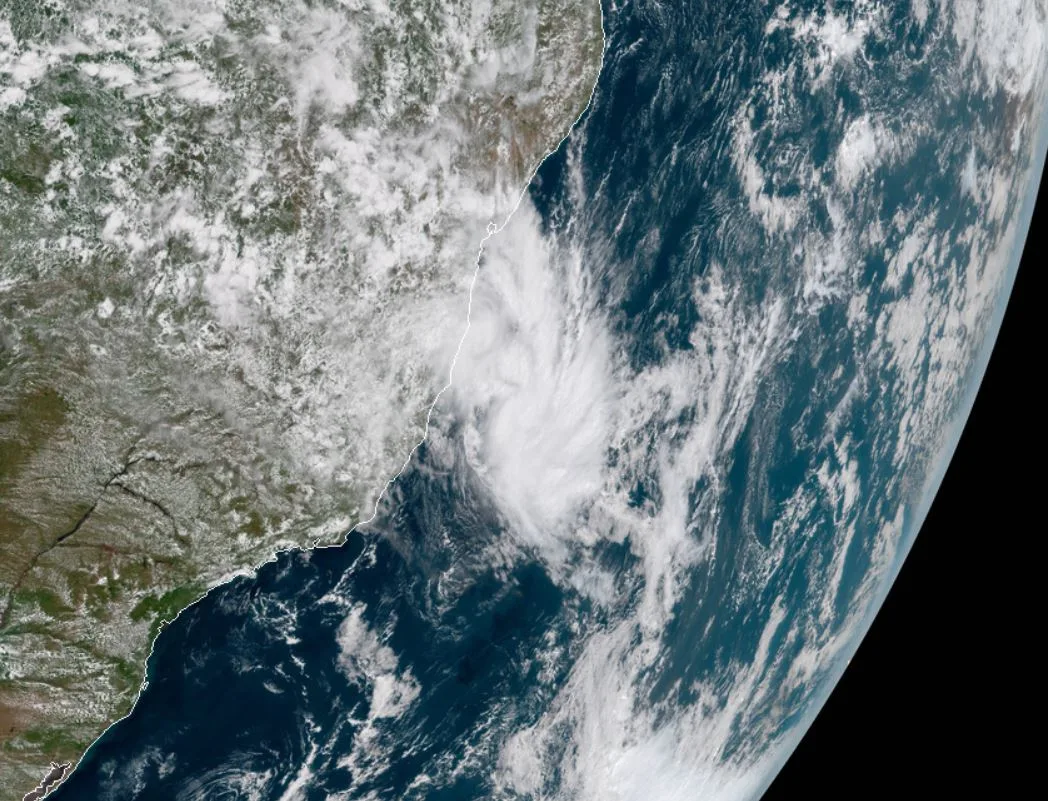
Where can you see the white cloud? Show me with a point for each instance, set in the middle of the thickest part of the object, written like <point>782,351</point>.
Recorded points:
<point>1006,39</point>
<point>534,383</point>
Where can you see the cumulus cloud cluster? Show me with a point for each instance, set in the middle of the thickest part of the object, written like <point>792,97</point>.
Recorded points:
<point>559,429</point>
<point>534,383</point>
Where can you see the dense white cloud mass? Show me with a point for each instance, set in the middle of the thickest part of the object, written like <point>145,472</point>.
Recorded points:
<point>534,381</point>
<point>710,370</point>
<point>560,428</point>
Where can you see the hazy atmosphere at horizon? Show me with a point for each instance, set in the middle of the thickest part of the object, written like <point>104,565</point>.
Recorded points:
<point>479,400</point>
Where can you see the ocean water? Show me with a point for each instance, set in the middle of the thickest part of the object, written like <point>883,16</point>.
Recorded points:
<point>713,365</point>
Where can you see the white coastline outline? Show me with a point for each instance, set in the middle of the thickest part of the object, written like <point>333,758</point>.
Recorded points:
<point>492,229</point>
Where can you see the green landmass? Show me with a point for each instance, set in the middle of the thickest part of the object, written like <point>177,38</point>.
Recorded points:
<point>235,242</point>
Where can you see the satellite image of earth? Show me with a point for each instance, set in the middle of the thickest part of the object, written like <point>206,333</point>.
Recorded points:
<point>479,400</point>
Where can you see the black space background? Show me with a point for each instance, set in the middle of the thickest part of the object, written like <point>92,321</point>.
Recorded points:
<point>945,695</point>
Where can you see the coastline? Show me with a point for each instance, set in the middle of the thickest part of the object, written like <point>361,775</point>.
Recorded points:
<point>491,230</point>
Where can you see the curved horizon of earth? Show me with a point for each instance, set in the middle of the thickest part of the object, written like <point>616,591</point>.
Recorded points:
<point>716,364</point>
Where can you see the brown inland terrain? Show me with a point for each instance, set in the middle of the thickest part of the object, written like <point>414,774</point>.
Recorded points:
<point>236,241</point>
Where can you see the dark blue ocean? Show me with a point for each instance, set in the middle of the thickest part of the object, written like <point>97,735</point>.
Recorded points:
<point>249,694</point>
